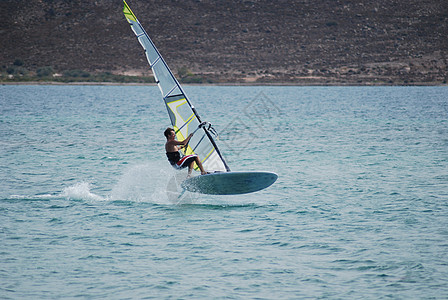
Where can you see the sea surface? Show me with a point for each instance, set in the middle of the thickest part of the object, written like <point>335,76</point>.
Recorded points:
<point>89,208</point>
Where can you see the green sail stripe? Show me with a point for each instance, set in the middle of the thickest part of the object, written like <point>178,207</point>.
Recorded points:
<point>128,12</point>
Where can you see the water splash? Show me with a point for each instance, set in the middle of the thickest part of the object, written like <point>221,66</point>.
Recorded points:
<point>150,182</point>
<point>81,191</point>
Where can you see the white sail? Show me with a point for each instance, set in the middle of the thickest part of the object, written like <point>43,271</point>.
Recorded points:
<point>182,113</point>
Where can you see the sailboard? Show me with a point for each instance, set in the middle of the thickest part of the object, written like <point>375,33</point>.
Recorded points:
<point>229,183</point>
<point>186,120</point>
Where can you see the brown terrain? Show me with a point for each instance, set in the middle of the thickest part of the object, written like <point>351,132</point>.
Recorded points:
<point>294,42</point>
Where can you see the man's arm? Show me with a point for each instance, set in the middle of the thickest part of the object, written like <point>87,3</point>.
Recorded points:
<point>180,143</point>
<point>184,142</point>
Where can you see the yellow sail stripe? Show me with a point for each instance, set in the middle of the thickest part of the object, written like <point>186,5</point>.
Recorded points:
<point>128,13</point>
<point>173,106</point>
<point>208,155</point>
<point>196,167</point>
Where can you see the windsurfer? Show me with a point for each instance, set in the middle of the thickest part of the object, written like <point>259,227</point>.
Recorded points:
<point>172,148</point>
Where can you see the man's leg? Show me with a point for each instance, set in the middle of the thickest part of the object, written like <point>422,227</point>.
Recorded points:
<point>190,169</point>
<point>198,162</point>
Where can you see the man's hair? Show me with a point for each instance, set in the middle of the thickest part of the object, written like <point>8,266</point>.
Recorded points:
<point>167,132</point>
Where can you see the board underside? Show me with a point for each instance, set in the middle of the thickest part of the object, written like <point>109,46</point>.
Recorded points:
<point>229,183</point>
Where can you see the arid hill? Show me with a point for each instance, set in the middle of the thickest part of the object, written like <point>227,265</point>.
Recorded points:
<point>283,41</point>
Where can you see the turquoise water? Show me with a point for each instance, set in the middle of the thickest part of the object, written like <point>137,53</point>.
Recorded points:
<point>89,207</point>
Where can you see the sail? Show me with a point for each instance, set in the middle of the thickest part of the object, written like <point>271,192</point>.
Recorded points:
<point>182,113</point>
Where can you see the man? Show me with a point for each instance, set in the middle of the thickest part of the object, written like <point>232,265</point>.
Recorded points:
<point>172,148</point>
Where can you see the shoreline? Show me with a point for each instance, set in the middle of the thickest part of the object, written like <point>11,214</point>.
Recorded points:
<point>347,84</point>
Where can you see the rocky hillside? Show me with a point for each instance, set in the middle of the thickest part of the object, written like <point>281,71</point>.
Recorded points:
<point>282,41</point>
